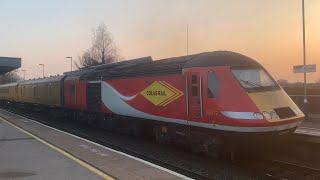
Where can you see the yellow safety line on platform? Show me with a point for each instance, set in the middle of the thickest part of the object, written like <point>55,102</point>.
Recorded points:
<point>91,168</point>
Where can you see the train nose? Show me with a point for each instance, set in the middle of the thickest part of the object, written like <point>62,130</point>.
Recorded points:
<point>276,105</point>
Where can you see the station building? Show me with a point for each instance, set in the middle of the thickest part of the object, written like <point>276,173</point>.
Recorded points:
<point>8,64</point>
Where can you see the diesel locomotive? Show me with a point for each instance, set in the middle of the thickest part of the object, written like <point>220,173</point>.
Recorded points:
<point>196,98</point>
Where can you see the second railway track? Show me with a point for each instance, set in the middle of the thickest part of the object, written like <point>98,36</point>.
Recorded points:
<point>283,170</point>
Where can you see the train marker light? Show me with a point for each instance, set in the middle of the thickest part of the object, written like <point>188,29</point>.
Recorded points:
<point>267,115</point>
<point>258,115</point>
<point>274,115</point>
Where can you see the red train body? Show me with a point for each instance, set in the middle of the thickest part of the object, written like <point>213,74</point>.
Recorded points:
<point>191,96</point>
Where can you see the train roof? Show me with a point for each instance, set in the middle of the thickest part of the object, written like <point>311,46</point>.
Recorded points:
<point>9,84</point>
<point>44,80</point>
<point>221,58</point>
<point>146,66</point>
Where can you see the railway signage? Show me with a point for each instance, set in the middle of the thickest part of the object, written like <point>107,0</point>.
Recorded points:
<point>161,93</point>
<point>304,68</point>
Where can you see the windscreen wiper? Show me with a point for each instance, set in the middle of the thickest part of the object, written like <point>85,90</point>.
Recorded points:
<point>251,83</point>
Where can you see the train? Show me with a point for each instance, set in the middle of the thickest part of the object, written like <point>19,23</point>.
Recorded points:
<point>196,99</point>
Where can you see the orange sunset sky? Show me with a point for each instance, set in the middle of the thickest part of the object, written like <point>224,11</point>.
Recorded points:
<point>269,31</point>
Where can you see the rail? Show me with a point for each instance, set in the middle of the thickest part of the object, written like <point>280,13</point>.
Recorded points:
<point>287,170</point>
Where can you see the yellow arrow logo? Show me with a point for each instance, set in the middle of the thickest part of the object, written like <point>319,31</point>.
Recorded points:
<point>161,93</point>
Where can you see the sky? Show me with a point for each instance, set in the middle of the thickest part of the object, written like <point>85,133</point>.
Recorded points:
<point>43,31</point>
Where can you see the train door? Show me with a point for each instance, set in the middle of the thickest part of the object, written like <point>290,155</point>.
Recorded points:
<point>73,94</point>
<point>194,103</point>
<point>70,98</point>
<point>93,94</point>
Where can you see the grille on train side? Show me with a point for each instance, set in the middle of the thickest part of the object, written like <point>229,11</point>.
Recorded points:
<point>93,96</point>
<point>284,112</point>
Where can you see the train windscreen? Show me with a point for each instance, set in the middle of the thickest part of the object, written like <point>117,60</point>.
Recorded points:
<point>254,79</point>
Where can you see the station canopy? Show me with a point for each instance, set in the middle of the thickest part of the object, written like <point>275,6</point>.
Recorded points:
<point>8,64</point>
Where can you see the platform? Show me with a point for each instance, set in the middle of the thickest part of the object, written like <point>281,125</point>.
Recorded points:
<point>310,127</point>
<point>32,150</point>
<point>313,122</point>
<point>309,130</point>
<point>23,156</point>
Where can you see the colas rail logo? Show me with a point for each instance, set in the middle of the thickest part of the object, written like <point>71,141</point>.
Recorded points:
<point>161,93</point>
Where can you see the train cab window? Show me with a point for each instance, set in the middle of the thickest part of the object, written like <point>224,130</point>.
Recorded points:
<point>213,85</point>
<point>255,79</point>
<point>194,80</point>
<point>194,86</point>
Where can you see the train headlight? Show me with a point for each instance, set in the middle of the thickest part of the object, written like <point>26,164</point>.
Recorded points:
<point>267,115</point>
<point>274,115</point>
<point>258,115</point>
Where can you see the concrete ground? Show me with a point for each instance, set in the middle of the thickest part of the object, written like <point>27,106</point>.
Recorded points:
<point>24,157</point>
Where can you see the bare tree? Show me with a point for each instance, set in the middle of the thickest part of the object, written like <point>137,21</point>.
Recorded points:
<point>9,77</point>
<point>87,59</point>
<point>102,51</point>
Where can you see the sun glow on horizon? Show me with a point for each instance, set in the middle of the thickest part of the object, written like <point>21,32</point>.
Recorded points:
<point>267,31</point>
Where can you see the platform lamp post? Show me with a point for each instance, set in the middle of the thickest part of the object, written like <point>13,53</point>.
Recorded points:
<point>70,57</point>
<point>42,69</point>
<point>24,74</point>
<point>187,39</point>
<point>305,100</point>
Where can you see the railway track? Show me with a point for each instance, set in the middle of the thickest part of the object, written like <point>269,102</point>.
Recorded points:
<point>286,170</point>
<point>282,170</point>
<point>275,169</point>
<point>174,167</point>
